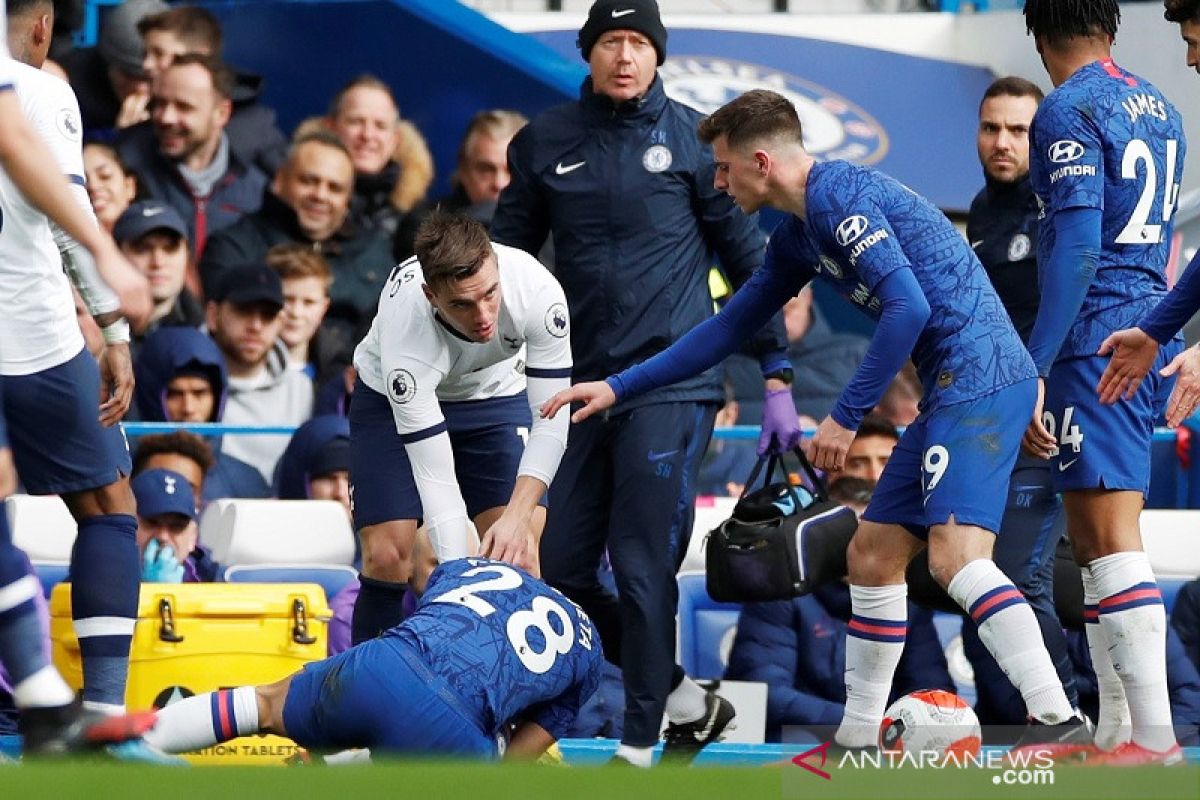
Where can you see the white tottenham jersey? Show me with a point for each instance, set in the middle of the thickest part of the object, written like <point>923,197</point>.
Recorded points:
<point>415,359</point>
<point>37,311</point>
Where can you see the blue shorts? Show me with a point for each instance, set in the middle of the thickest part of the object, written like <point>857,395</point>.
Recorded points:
<point>58,443</point>
<point>955,461</point>
<point>381,695</point>
<point>487,436</point>
<point>1103,447</point>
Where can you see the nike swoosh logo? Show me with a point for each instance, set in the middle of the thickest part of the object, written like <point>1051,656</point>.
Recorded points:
<point>976,244</point>
<point>562,169</point>
<point>653,456</point>
<point>151,212</point>
<point>1063,466</point>
<point>619,14</point>
<point>704,732</point>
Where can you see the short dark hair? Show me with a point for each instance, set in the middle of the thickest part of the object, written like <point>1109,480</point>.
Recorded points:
<point>15,8</point>
<point>184,443</point>
<point>194,26</point>
<point>299,261</point>
<point>756,114</point>
<point>321,137</point>
<point>1014,86</point>
<point>222,76</point>
<point>874,424</point>
<point>1181,10</point>
<point>1058,20</point>
<point>851,489</point>
<point>451,247</point>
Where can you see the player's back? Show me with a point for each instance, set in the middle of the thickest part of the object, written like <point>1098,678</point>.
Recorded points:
<point>1107,139</point>
<point>37,312</point>
<point>865,224</point>
<point>506,642</point>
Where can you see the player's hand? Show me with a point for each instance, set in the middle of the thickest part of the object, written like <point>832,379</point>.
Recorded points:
<point>130,285</point>
<point>1186,393</point>
<point>1133,353</point>
<point>116,383</point>
<point>595,395</point>
<point>159,564</point>
<point>510,539</point>
<point>827,449</point>
<point>1038,441</point>
<point>135,108</point>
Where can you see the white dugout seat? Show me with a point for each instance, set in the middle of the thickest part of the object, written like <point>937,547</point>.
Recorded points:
<point>295,532</point>
<point>41,526</point>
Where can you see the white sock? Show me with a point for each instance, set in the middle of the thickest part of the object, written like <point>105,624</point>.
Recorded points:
<point>1112,728</point>
<point>111,709</point>
<point>686,702</point>
<point>874,641</point>
<point>43,689</point>
<point>1010,631</point>
<point>638,756</point>
<point>205,720</point>
<point>1135,624</point>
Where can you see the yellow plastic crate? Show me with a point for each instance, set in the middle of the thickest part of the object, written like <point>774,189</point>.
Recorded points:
<point>197,637</point>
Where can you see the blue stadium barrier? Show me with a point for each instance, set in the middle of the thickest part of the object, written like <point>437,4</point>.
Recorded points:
<point>1170,486</point>
<point>332,578</point>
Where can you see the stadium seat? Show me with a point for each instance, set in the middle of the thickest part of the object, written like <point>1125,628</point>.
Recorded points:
<point>332,577</point>
<point>706,628</point>
<point>949,631</point>
<point>1172,540</point>
<point>297,532</point>
<point>51,574</point>
<point>41,526</point>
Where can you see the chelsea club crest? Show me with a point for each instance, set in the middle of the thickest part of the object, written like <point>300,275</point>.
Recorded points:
<point>833,126</point>
<point>1018,248</point>
<point>657,158</point>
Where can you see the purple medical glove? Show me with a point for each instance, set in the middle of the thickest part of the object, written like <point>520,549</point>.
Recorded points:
<point>780,425</point>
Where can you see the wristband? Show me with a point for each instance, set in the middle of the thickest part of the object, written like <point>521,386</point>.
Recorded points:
<point>786,375</point>
<point>116,332</point>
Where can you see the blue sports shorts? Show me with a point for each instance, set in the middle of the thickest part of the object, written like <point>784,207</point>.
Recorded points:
<point>487,436</point>
<point>1103,447</point>
<point>955,461</point>
<point>58,443</point>
<point>381,695</point>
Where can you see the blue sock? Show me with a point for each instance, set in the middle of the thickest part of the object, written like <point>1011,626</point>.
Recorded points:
<point>105,580</point>
<point>380,606</point>
<point>22,645</point>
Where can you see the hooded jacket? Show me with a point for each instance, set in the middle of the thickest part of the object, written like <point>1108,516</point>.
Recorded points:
<point>165,354</point>
<point>295,467</point>
<point>627,193</point>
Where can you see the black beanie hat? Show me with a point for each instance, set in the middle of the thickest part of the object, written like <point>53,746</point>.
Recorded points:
<point>635,15</point>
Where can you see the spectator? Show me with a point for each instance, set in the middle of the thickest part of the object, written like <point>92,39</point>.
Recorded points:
<point>181,377</point>
<point>254,138</point>
<point>154,239</point>
<point>365,117</point>
<point>109,79</point>
<point>167,535</point>
<point>635,275</point>
<point>188,164</point>
<point>179,451</point>
<point>320,353</point>
<point>316,463</point>
<point>244,320</point>
<point>823,362</point>
<point>111,185</point>
<point>798,648</point>
<point>481,174</point>
<point>308,204</point>
<point>869,452</point>
<point>900,404</point>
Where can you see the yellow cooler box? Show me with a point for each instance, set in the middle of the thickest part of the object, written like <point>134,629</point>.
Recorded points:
<point>197,637</point>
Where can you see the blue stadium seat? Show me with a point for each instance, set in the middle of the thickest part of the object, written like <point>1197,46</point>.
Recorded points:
<point>51,573</point>
<point>332,577</point>
<point>1170,588</point>
<point>704,624</point>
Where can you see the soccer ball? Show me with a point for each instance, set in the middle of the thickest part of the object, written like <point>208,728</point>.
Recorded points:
<point>931,720</point>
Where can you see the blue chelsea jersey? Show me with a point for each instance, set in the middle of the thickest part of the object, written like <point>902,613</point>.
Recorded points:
<point>1106,139</point>
<point>861,226</point>
<point>509,645</point>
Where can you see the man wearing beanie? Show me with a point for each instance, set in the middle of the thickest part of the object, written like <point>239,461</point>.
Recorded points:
<point>621,182</point>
